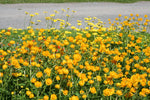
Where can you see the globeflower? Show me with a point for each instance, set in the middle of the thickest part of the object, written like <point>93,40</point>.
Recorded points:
<point>57,86</point>
<point>38,84</point>
<point>53,97</point>
<point>12,42</point>
<point>48,81</point>
<point>74,98</point>
<point>84,96</point>
<point>98,78</point>
<point>39,74</point>
<point>108,92</point>
<point>46,97</point>
<point>28,93</point>
<point>47,71</point>
<point>33,80</point>
<point>1,74</point>
<point>119,92</point>
<point>1,81</point>
<point>93,90</point>
<point>4,67</point>
<point>81,83</point>
<point>31,95</point>
<point>77,57</point>
<point>65,92</point>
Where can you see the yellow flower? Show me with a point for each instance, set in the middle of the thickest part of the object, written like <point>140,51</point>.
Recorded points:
<point>81,91</point>
<point>72,46</point>
<point>28,93</point>
<point>33,80</point>
<point>31,15</point>
<point>148,83</point>
<point>88,35</point>
<point>36,13</point>
<point>119,92</point>
<point>77,57</point>
<point>53,97</point>
<point>25,63</point>
<point>65,92</point>
<point>47,71</point>
<point>98,78</point>
<point>69,84</point>
<point>57,78</point>
<point>57,86</point>
<point>4,67</point>
<point>40,38</point>
<point>26,13</point>
<point>1,81</point>
<point>58,55</point>
<point>106,70</point>
<point>94,33</point>
<point>142,94</point>
<point>84,96</point>
<point>1,74</point>
<point>74,98</point>
<point>31,95</point>
<point>7,33</point>
<point>81,83</point>
<point>108,92</point>
<point>93,90</point>
<point>39,74</point>
<point>48,81</point>
<point>91,81</point>
<point>65,71</point>
<point>38,84</point>
<point>12,92</point>
<point>127,67</point>
<point>146,60</point>
<point>136,57</point>
<point>46,97</point>
<point>12,42</point>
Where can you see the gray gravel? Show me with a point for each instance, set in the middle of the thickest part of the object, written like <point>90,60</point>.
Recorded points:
<point>13,15</point>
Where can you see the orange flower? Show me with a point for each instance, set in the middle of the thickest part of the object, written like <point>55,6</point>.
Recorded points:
<point>57,86</point>
<point>93,90</point>
<point>1,74</point>
<point>46,97</point>
<point>33,80</point>
<point>39,74</point>
<point>28,93</point>
<point>65,92</point>
<point>57,78</point>
<point>47,71</point>
<point>98,78</point>
<point>53,97</point>
<point>77,57</point>
<point>31,95</point>
<point>74,98</point>
<point>48,81</point>
<point>81,83</point>
<point>91,81</point>
<point>84,96</point>
<point>106,70</point>
<point>108,92</point>
<point>119,92</point>
<point>4,67</point>
<point>136,57</point>
<point>12,42</point>
<point>38,84</point>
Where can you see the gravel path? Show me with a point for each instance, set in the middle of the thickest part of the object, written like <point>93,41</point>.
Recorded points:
<point>14,14</point>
